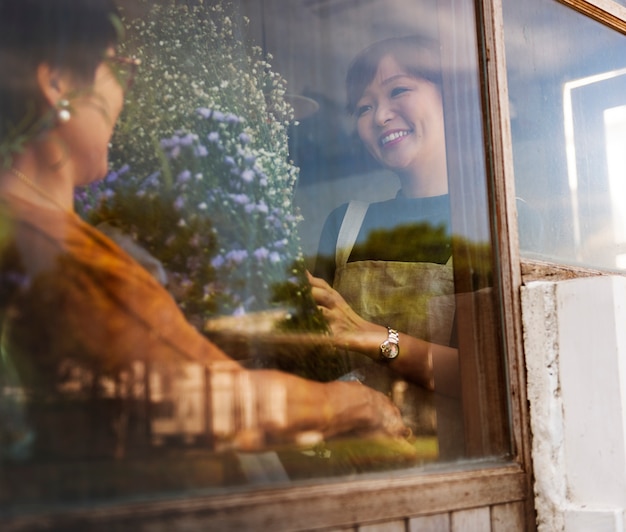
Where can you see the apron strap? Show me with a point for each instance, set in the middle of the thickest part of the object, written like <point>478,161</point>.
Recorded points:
<point>349,230</point>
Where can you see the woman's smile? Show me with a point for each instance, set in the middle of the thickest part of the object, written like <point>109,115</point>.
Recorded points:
<point>400,121</point>
<point>392,138</point>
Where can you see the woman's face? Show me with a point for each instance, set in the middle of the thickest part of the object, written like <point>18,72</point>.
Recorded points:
<point>94,112</point>
<point>400,119</point>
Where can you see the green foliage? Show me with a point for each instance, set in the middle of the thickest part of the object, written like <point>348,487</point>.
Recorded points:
<point>410,243</point>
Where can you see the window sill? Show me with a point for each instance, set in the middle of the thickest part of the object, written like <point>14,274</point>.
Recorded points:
<point>539,270</point>
<point>334,504</point>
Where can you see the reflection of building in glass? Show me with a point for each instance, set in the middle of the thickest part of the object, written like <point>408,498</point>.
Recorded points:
<point>586,168</point>
<point>178,403</point>
<point>615,131</point>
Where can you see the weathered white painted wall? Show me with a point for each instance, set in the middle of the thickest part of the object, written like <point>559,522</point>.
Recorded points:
<point>575,347</point>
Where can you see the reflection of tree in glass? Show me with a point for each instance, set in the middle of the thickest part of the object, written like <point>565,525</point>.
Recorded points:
<point>473,264</point>
<point>422,242</point>
<point>410,243</point>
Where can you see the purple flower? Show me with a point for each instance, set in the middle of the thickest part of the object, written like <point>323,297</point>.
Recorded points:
<point>179,203</point>
<point>272,220</point>
<point>237,256</point>
<point>114,174</point>
<point>218,116</point>
<point>231,118</point>
<point>188,139</point>
<point>247,175</point>
<point>274,257</point>
<point>229,160</point>
<point>214,136</point>
<point>262,176</point>
<point>244,138</point>
<point>201,151</point>
<point>218,261</point>
<point>241,199</point>
<point>261,254</point>
<point>204,112</point>
<point>184,176</point>
<point>111,177</point>
<point>153,178</point>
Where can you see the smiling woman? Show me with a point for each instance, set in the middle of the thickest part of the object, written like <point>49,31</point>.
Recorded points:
<point>374,295</point>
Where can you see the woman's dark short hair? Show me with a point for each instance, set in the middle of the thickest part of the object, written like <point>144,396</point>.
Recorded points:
<point>72,35</point>
<point>419,56</point>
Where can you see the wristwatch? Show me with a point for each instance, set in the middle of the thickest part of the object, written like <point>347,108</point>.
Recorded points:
<point>390,348</point>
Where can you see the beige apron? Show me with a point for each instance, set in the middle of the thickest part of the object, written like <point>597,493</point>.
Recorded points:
<point>415,298</point>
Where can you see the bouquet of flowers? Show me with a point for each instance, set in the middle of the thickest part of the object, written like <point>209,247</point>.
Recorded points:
<point>201,173</point>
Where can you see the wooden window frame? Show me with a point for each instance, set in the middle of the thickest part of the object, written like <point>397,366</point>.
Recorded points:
<point>607,12</point>
<point>338,504</point>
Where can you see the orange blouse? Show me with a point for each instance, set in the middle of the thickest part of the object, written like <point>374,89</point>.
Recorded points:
<point>68,291</point>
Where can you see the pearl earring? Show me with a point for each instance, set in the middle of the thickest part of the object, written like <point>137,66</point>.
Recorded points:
<point>63,112</point>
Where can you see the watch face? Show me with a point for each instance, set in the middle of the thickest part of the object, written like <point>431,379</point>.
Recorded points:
<point>389,349</point>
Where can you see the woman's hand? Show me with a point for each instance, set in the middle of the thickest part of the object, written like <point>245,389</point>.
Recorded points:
<point>349,330</point>
<point>284,409</point>
<point>417,357</point>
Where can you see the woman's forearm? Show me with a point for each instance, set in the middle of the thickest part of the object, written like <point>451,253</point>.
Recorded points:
<point>433,366</point>
<point>254,408</point>
<point>430,365</point>
<point>331,408</point>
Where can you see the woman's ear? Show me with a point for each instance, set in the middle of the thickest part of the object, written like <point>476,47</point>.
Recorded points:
<point>53,84</point>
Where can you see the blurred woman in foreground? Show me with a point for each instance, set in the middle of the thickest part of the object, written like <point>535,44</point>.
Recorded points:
<point>71,301</point>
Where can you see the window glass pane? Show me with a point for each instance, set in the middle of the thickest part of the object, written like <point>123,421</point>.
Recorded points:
<point>233,167</point>
<point>567,81</point>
